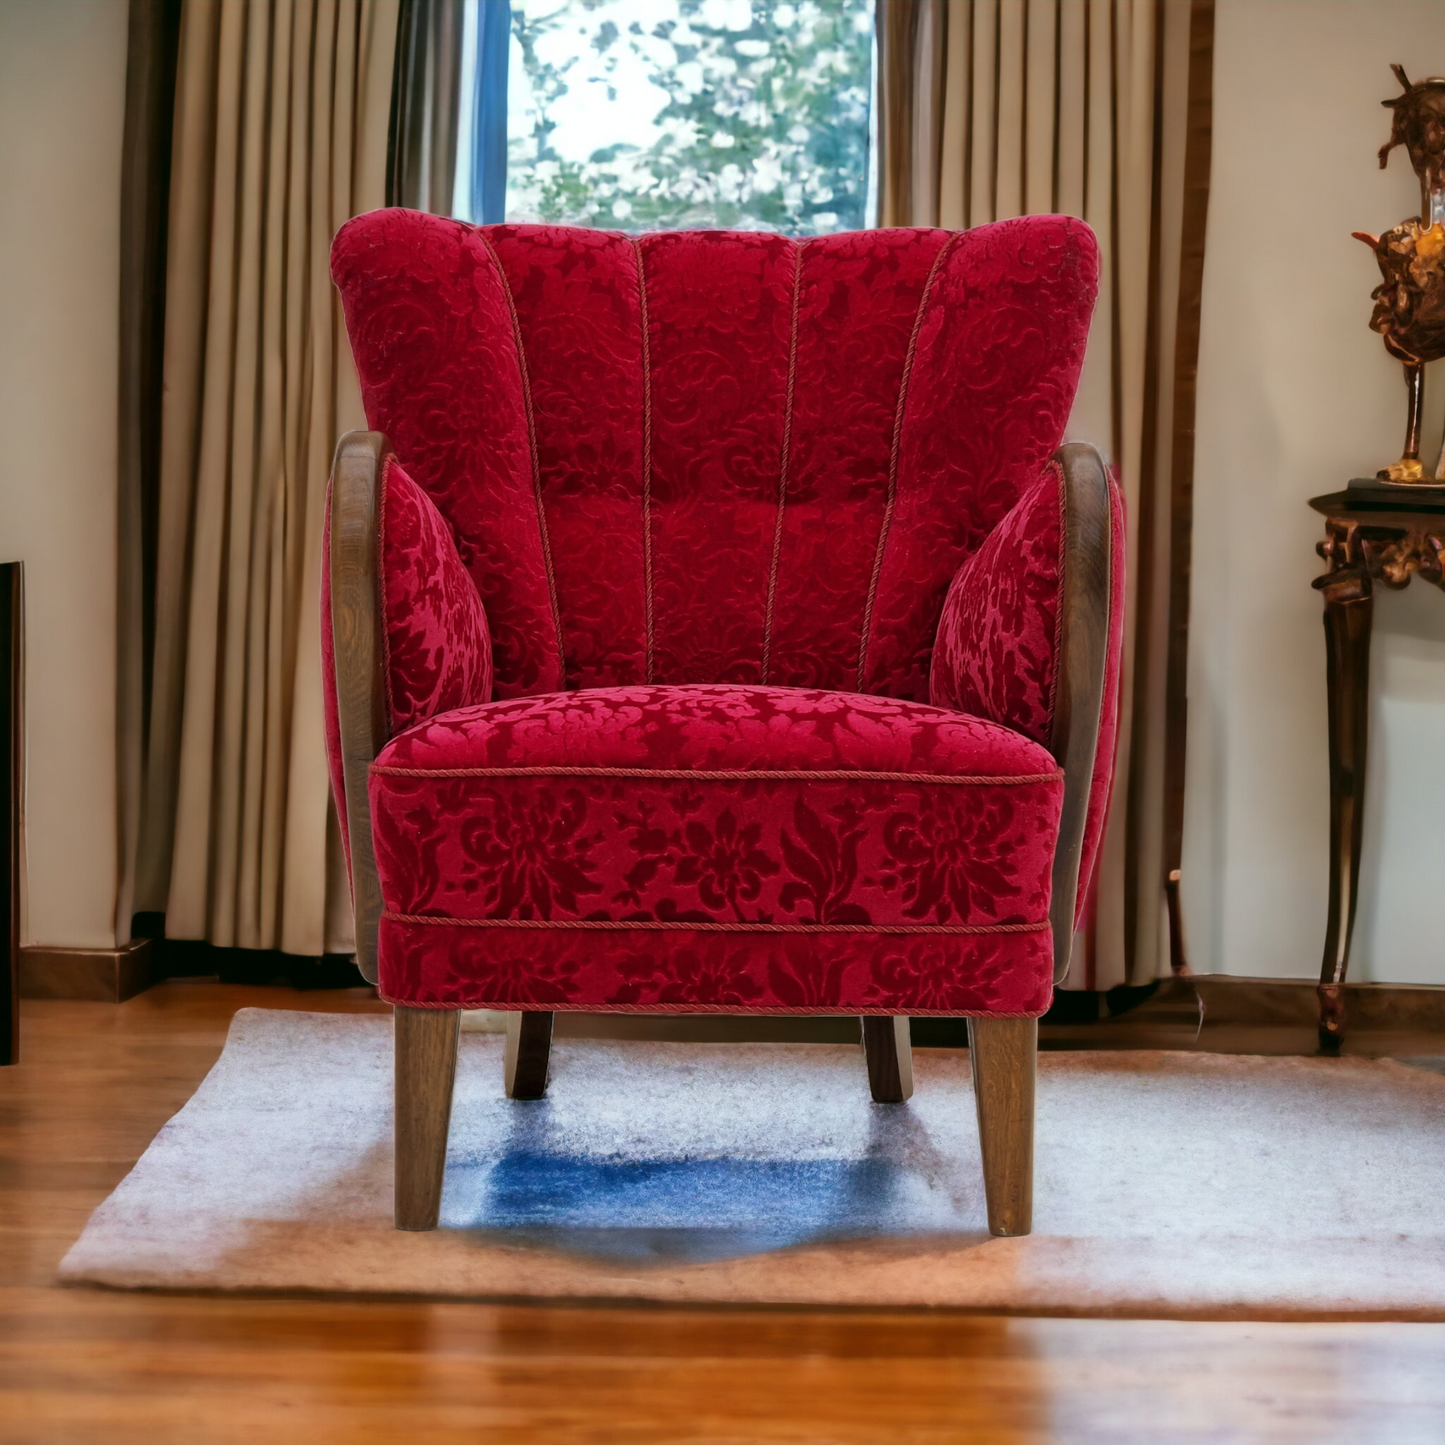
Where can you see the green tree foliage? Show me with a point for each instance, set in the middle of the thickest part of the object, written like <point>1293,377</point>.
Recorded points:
<point>764,125</point>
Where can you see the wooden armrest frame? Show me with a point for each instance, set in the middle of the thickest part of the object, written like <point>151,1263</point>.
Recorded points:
<point>1083,658</point>
<point>356,625</point>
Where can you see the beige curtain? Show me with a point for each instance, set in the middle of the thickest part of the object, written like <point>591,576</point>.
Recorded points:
<point>281,120</point>
<point>999,108</point>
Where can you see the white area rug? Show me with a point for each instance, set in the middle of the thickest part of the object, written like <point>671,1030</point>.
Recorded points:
<point>1167,1183</point>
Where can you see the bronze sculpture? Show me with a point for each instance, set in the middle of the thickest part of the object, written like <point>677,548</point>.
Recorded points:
<point>1410,299</point>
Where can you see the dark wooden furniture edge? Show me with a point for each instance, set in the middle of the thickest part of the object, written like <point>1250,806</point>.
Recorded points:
<point>1373,534</point>
<point>101,975</point>
<point>1366,494</point>
<point>357,642</point>
<point>528,1051</point>
<point>12,782</point>
<point>1179,533</point>
<point>1083,655</point>
<point>1422,506</point>
<point>888,1050</point>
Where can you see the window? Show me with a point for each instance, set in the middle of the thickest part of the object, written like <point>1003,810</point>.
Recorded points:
<point>643,115</point>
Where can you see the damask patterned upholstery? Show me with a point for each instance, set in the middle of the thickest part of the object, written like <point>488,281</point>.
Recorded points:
<point>720,576</point>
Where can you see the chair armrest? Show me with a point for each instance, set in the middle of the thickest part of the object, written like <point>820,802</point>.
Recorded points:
<point>1031,636</point>
<point>353,663</point>
<point>404,637</point>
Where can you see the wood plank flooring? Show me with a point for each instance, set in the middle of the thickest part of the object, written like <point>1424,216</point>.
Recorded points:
<point>91,1367</point>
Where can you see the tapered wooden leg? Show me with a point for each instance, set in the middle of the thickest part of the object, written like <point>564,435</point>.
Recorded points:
<point>529,1045</point>
<point>889,1053</point>
<point>1003,1053</point>
<point>426,1067</point>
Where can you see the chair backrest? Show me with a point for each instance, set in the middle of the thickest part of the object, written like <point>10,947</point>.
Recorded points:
<point>717,456</point>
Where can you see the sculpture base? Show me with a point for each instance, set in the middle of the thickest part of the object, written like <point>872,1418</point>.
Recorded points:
<point>1409,471</point>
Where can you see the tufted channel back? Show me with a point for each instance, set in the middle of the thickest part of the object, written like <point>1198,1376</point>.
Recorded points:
<point>716,456</point>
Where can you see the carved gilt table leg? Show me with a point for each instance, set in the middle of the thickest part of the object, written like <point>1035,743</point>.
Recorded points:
<point>1349,612</point>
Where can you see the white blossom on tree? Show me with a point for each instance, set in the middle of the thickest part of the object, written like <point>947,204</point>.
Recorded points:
<point>670,114</point>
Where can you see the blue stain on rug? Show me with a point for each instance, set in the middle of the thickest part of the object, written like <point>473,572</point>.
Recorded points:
<point>667,1210</point>
<point>682,1210</point>
<point>584,1183</point>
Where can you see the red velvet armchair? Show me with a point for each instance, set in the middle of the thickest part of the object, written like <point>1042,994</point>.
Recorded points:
<point>714,624</point>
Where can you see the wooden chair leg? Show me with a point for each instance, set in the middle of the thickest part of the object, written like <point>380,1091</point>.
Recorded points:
<point>889,1053</point>
<point>426,1067</point>
<point>1003,1053</point>
<point>529,1045</point>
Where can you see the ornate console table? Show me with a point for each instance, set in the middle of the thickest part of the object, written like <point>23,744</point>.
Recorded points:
<point>1373,533</point>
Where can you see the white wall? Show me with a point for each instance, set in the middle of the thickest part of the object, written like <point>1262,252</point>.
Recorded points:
<point>1296,396</point>
<point>62,111</point>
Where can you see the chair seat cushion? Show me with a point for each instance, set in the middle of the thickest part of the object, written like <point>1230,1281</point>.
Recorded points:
<point>715,848</point>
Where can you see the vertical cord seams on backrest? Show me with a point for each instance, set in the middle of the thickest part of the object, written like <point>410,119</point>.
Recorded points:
<point>646,462</point>
<point>865,633</point>
<point>532,446</point>
<point>798,248</point>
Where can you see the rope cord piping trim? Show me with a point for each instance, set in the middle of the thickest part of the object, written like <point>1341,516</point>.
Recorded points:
<point>607,925</point>
<point>532,448</point>
<point>510,1004</point>
<point>798,249</point>
<point>649,624</point>
<point>388,770</point>
<point>866,633</point>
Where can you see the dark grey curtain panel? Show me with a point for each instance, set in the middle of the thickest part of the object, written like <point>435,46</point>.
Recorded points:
<point>426,105</point>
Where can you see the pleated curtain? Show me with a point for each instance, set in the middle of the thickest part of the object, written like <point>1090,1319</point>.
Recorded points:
<point>280,135</point>
<point>998,108</point>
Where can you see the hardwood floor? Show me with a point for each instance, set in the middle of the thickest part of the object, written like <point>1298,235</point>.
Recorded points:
<point>90,1367</point>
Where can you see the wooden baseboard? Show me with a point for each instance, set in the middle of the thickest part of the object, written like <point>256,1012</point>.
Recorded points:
<point>1238,999</point>
<point>1227,1000</point>
<point>103,975</point>
<point>112,975</point>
